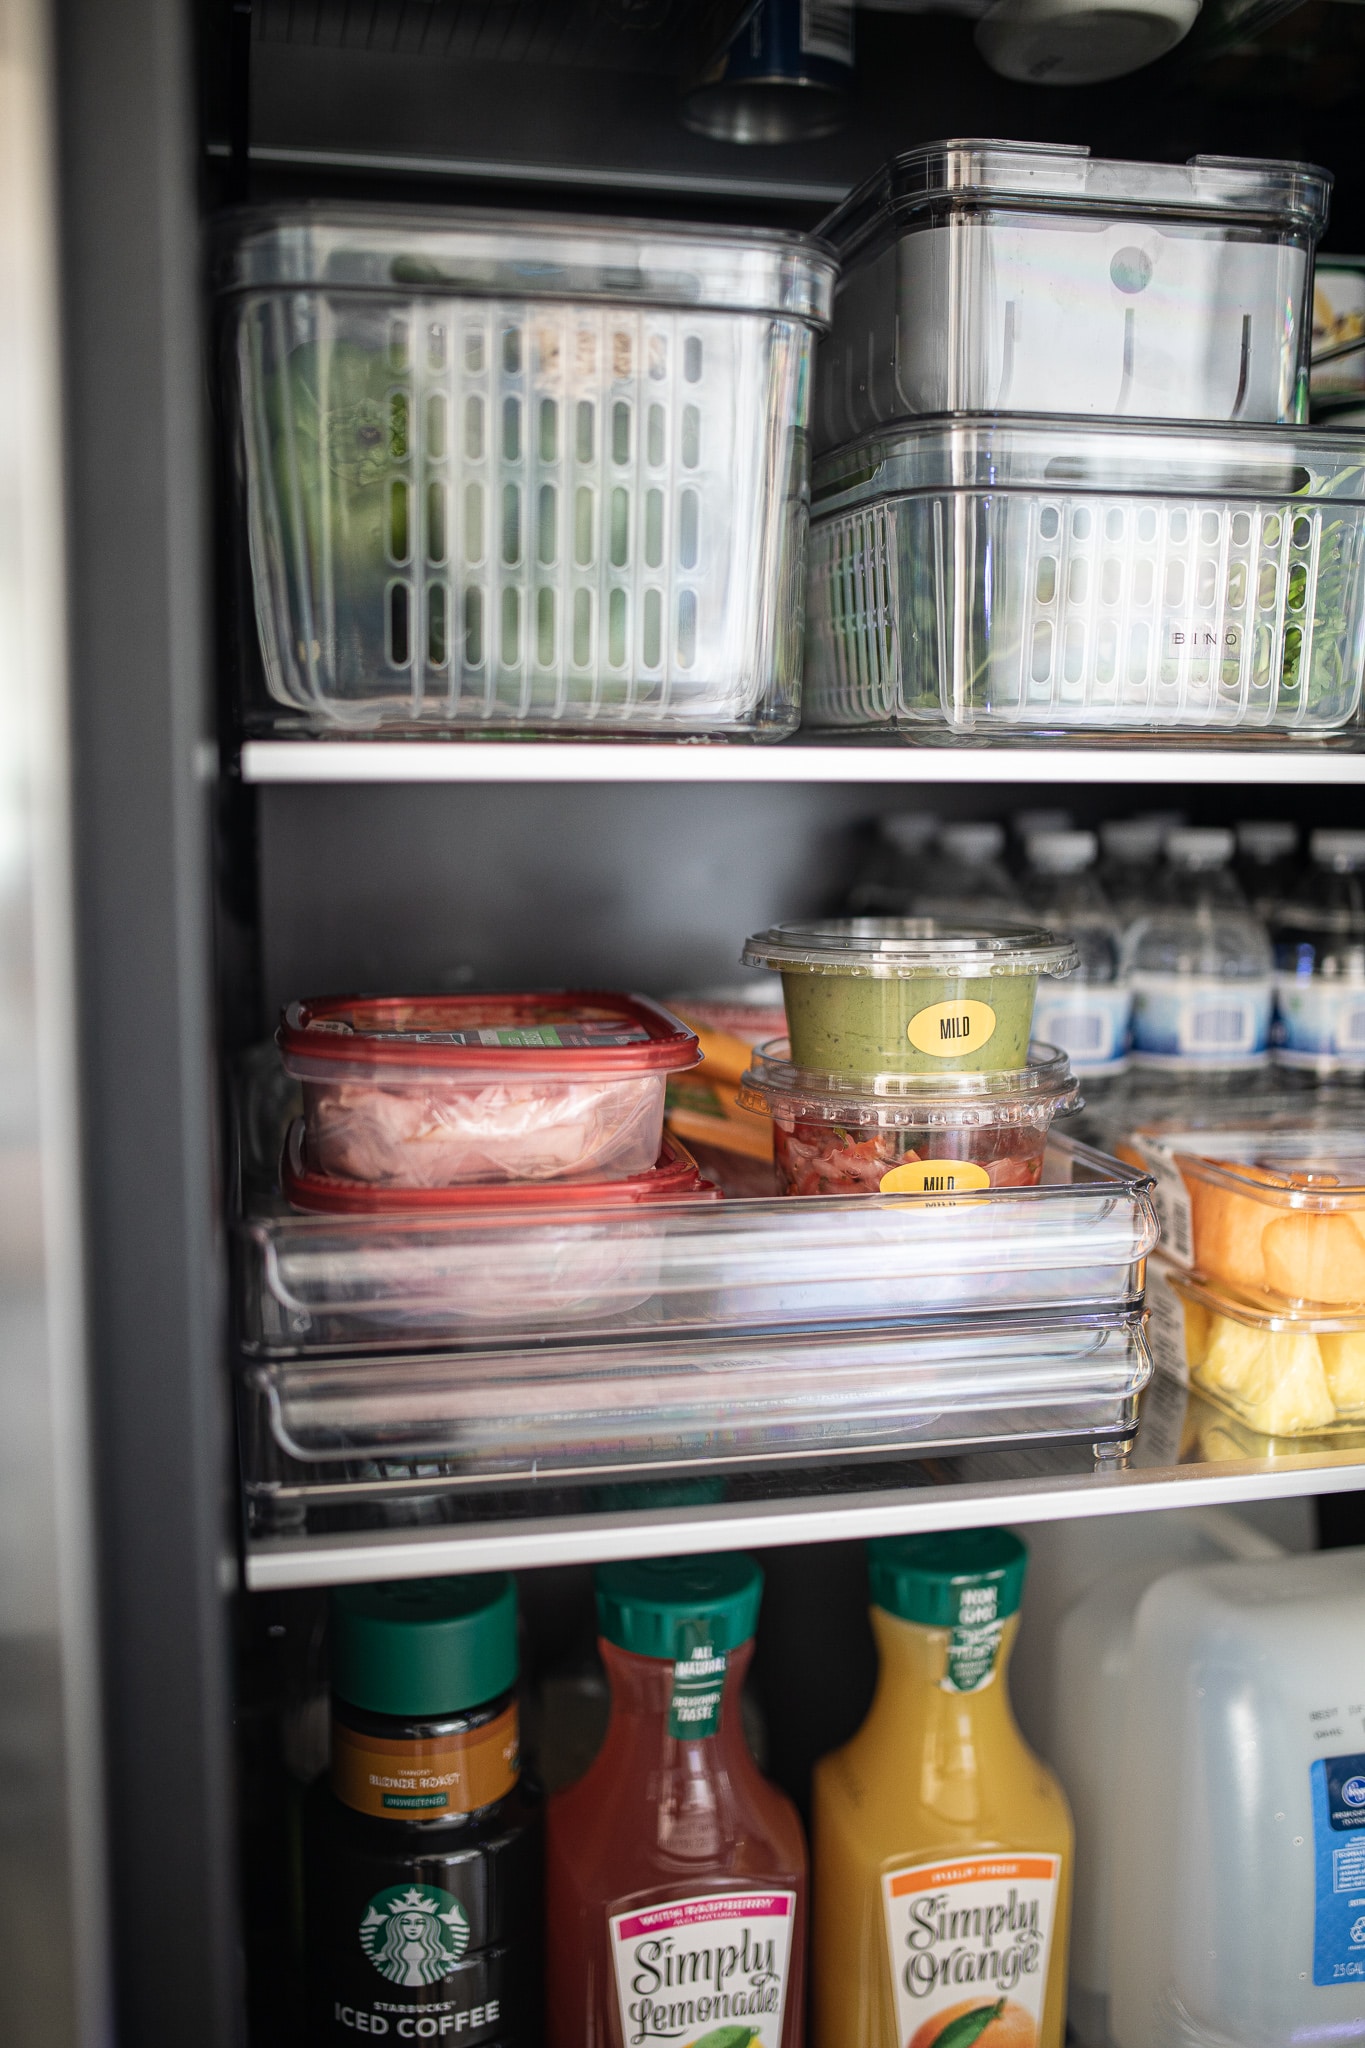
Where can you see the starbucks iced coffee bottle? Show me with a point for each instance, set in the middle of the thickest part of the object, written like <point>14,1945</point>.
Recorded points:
<point>422,1851</point>
<point>941,1853</point>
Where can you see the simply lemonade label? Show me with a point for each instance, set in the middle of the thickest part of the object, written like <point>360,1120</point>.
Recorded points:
<point>969,1943</point>
<point>692,1969</point>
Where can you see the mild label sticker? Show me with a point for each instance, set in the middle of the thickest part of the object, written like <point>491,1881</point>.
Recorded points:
<point>934,1177</point>
<point>968,1943</point>
<point>693,1968</point>
<point>945,1031</point>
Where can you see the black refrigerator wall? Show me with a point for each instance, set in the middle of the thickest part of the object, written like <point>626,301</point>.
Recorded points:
<point>137,494</point>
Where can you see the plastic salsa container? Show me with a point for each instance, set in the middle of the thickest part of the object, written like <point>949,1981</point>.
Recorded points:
<point>1285,1373</point>
<point>909,995</point>
<point>449,1091</point>
<point>841,1134</point>
<point>675,1177</point>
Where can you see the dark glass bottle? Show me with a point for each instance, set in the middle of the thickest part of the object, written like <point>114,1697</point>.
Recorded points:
<point>422,1850</point>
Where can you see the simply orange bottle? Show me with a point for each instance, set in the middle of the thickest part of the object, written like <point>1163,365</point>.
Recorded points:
<point>675,1874</point>
<point>941,1846</point>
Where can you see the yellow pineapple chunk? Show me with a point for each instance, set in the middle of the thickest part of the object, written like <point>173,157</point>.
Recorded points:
<point>1237,1361</point>
<point>1343,1356</point>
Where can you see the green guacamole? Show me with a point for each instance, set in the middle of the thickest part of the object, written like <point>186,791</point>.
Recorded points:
<point>862,1023</point>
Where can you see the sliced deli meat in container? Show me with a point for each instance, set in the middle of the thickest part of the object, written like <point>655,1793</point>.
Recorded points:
<point>449,1091</point>
<point>675,1177</point>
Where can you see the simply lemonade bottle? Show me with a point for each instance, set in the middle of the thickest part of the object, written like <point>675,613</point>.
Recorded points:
<point>941,1858</point>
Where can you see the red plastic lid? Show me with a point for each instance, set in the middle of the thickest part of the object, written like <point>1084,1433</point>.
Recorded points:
<point>561,1030</point>
<point>676,1178</point>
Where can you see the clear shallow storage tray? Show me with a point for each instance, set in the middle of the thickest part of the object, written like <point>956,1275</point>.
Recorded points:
<point>1007,577</point>
<point>510,472</point>
<point>344,1429</point>
<point>312,1285</point>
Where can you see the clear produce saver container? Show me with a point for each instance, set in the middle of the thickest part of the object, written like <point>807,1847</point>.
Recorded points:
<point>338,1427</point>
<point>1030,278</point>
<point>314,1285</point>
<point>1285,1373</point>
<point>1003,578</point>
<point>504,472</point>
<point>927,1134</point>
<point>448,1091</point>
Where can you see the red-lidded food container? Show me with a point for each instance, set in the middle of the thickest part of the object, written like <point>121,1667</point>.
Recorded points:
<point>675,1178</point>
<point>459,1091</point>
<point>928,1134</point>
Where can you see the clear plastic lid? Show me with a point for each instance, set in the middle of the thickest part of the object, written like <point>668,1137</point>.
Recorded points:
<point>940,177</point>
<point>1043,1087</point>
<point>892,948</point>
<point>1111,458</point>
<point>676,1178</point>
<point>525,256</point>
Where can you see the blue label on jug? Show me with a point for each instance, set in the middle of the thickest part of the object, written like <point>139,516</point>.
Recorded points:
<point>1339,1869</point>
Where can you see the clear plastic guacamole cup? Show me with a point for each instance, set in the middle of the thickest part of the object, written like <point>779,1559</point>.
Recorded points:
<point>909,995</point>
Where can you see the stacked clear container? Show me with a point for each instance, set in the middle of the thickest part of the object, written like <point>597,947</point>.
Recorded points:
<point>1063,487</point>
<point>398,1353</point>
<point>509,473</point>
<point>1259,1296</point>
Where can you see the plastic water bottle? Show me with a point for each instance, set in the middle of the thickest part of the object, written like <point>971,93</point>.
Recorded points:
<point>1238,1904</point>
<point>1319,937</point>
<point>966,876</point>
<point>1087,1015</point>
<point>1200,966</point>
<point>890,876</point>
<point>1130,872</point>
<point>1266,864</point>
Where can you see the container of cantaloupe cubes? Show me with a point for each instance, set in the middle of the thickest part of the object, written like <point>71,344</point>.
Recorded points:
<point>1263,1242</point>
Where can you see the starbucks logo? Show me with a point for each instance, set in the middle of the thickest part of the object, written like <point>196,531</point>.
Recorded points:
<point>414,1934</point>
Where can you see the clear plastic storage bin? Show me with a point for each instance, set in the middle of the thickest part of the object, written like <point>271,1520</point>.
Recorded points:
<point>1019,277</point>
<point>310,1285</point>
<point>1275,1215</point>
<point>544,1413</point>
<point>1009,577</point>
<point>506,472</point>
<point>1286,1374</point>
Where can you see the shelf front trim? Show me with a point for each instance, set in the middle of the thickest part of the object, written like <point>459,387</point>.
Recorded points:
<point>578,1539</point>
<point>532,761</point>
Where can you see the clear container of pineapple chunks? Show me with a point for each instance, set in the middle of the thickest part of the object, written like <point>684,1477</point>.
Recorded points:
<point>1272,1212</point>
<point>1282,1372</point>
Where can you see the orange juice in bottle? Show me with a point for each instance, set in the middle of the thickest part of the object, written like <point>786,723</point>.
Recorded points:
<point>941,1856</point>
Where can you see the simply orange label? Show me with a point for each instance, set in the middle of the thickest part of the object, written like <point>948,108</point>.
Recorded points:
<point>412,1780</point>
<point>968,1943</point>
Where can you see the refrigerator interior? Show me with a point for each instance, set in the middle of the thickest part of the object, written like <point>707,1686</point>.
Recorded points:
<point>212,890</point>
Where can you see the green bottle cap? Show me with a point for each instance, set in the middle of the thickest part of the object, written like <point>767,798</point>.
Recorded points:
<point>924,1578</point>
<point>669,1606</point>
<point>422,1648</point>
